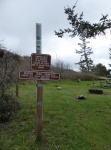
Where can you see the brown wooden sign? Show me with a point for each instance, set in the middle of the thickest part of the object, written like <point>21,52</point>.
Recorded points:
<point>38,75</point>
<point>40,62</point>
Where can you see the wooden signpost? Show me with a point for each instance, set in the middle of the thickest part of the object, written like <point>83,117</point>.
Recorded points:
<point>40,70</point>
<point>40,63</point>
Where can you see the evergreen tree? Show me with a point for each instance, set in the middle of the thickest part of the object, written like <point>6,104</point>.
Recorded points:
<point>100,70</point>
<point>85,63</point>
<point>110,55</point>
<point>80,27</point>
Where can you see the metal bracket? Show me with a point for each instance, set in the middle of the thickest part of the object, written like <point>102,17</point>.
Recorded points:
<point>39,103</point>
<point>39,85</point>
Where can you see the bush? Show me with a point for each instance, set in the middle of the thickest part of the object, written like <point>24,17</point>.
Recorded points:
<point>8,106</point>
<point>78,75</point>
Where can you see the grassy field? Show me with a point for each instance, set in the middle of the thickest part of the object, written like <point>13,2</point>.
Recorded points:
<point>68,123</point>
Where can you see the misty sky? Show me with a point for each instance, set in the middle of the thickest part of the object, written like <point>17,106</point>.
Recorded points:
<point>18,20</point>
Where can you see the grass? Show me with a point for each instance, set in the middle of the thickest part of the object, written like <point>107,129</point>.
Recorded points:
<point>68,123</point>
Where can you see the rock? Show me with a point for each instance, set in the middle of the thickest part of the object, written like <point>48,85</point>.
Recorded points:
<point>81,97</point>
<point>59,88</point>
<point>78,80</point>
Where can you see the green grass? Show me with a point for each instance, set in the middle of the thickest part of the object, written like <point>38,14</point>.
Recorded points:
<point>68,123</point>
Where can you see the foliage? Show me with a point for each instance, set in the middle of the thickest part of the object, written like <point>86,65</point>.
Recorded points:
<point>81,28</point>
<point>68,123</point>
<point>85,63</point>
<point>100,70</point>
<point>78,75</point>
<point>25,63</point>
<point>110,55</point>
<point>67,73</point>
<point>8,106</point>
<point>9,63</point>
<point>59,66</point>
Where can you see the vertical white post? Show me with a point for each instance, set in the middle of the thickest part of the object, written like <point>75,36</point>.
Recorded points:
<point>38,39</point>
<point>39,86</point>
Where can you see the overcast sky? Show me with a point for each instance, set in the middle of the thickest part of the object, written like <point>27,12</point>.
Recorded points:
<point>18,20</point>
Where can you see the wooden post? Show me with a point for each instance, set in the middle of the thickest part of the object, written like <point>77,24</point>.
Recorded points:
<point>39,110</point>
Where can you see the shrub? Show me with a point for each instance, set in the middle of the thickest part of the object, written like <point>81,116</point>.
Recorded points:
<point>8,106</point>
<point>78,75</point>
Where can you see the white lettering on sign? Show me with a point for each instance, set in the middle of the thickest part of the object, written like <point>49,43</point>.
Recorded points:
<point>38,75</point>
<point>40,62</point>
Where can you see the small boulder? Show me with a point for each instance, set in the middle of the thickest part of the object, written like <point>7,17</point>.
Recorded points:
<point>59,88</point>
<point>78,80</point>
<point>81,97</point>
